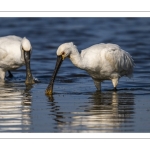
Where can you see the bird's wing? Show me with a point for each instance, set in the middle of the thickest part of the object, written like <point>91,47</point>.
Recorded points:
<point>119,59</point>
<point>127,64</point>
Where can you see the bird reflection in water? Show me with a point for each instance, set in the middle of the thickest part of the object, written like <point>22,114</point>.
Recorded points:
<point>14,113</point>
<point>108,111</point>
<point>104,112</point>
<point>27,95</point>
<point>51,98</point>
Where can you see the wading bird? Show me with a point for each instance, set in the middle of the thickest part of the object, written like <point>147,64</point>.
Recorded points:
<point>101,61</point>
<point>14,53</point>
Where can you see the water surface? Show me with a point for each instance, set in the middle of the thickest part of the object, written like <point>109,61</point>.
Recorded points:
<point>76,106</point>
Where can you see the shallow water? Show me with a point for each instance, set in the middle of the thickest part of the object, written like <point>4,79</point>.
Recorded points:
<point>76,106</point>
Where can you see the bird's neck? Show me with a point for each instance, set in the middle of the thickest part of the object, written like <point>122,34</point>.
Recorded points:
<point>76,58</point>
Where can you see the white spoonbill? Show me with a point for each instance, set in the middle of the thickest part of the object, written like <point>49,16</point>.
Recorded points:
<point>14,53</point>
<point>101,61</point>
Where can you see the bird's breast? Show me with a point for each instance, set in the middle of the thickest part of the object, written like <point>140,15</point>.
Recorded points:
<point>10,64</point>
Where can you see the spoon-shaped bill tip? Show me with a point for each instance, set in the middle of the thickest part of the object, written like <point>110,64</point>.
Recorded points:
<point>29,80</point>
<point>49,91</point>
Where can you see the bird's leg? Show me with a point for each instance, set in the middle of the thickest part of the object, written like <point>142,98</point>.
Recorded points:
<point>10,75</point>
<point>2,75</point>
<point>115,83</point>
<point>97,84</point>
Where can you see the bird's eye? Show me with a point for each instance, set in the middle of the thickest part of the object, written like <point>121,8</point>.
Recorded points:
<point>63,53</point>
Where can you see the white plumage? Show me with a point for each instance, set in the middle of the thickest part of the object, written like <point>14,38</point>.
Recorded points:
<point>12,50</point>
<point>101,61</point>
<point>105,62</point>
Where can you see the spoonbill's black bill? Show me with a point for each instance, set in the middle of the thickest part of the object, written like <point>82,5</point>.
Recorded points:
<point>29,77</point>
<point>49,90</point>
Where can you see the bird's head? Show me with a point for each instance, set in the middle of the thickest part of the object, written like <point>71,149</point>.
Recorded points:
<point>26,45</point>
<point>64,50</point>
